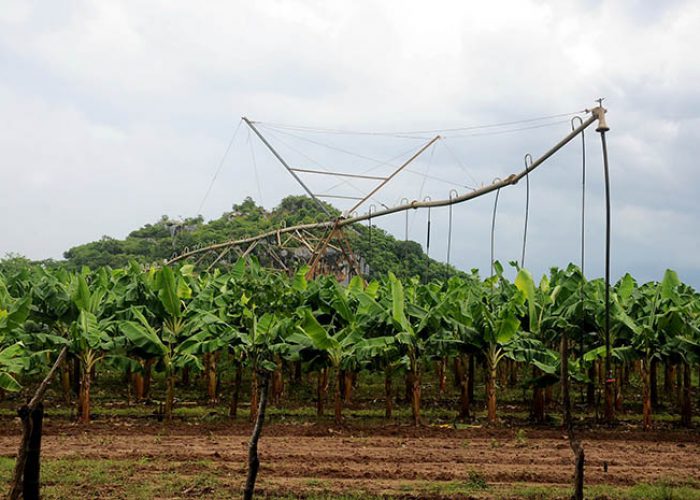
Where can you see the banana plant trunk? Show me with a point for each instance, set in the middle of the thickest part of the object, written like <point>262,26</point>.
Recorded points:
<point>609,389</point>
<point>277,383</point>
<point>253,394</point>
<point>686,407</point>
<point>388,393</point>
<point>462,379</point>
<point>321,389</point>
<point>442,376</point>
<point>669,373</point>
<point>137,382</point>
<point>646,394</point>
<point>492,367</point>
<point>590,386</point>
<point>348,381</point>
<point>513,373</point>
<point>65,382</point>
<point>185,380</point>
<point>85,396</point>
<point>415,391</point>
<point>654,386</point>
<point>147,377</point>
<point>338,400</point>
<point>471,376</point>
<point>212,378</point>
<point>538,401</point>
<point>233,409</point>
<point>170,395</point>
<point>619,379</point>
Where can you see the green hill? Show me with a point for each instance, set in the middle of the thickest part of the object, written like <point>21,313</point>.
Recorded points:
<point>167,237</point>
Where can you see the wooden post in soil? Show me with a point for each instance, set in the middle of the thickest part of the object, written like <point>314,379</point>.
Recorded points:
<point>575,444</point>
<point>253,459</point>
<point>25,478</point>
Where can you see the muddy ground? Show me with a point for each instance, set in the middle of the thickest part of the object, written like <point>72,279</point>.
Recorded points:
<point>388,460</point>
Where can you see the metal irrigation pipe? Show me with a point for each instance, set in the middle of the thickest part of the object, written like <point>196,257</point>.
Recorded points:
<point>415,204</point>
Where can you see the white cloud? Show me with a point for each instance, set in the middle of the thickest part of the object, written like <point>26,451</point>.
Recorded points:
<point>117,112</point>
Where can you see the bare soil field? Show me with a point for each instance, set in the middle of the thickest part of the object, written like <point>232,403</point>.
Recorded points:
<point>323,461</point>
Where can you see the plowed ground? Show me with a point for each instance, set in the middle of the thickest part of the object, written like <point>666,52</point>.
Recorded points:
<point>322,460</point>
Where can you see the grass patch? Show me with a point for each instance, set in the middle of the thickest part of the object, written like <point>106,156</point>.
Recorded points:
<point>643,491</point>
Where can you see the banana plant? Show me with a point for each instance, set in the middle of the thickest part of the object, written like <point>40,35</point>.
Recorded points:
<point>544,325</point>
<point>53,313</point>
<point>378,349</point>
<point>90,339</point>
<point>646,313</point>
<point>496,318</point>
<point>169,324</point>
<point>14,356</point>
<point>336,349</point>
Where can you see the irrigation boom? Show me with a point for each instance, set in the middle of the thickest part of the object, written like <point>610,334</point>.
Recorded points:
<point>597,114</point>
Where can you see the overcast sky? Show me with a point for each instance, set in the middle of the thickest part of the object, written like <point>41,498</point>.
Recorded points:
<point>114,113</point>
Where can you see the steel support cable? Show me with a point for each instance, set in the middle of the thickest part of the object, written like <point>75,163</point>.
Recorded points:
<point>506,131</point>
<point>328,146</point>
<point>422,184</point>
<point>476,193</point>
<point>527,207</point>
<point>459,162</point>
<point>388,163</point>
<point>321,166</point>
<point>438,179</point>
<point>399,133</point>
<point>221,164</point>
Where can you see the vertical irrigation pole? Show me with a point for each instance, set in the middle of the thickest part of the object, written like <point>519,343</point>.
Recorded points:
<point>599,113</point>
<point>583,246</point>
<point>528,164</point>
<point>427,239</point>
<point>372,208</point>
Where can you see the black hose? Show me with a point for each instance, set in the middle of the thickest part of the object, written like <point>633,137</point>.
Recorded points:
<point>493,228</point>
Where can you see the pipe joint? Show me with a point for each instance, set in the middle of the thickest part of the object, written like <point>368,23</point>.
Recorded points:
<point>599,113</point>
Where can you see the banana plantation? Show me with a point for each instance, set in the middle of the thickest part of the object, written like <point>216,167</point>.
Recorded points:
<point>162,328</point>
